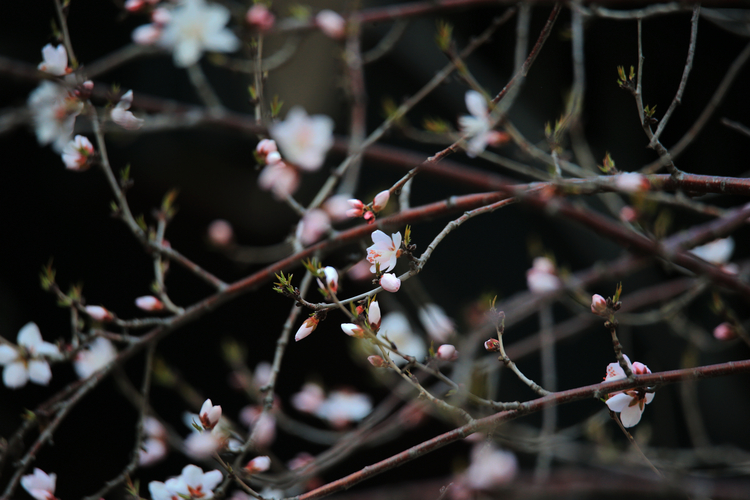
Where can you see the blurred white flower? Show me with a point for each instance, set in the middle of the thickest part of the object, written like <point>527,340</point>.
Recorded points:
<point>99,313</point>
<point>447,352</point>
<point>490,467</point>
<point>53,109</point>
<point>149,303</point>
<point>331,23</point>
<point>202,445</point>
<point>309,399</point>
<point>437,324</point>
<point>542,277</point>
<point>342,407</point>
<point>220,233</point>
<point>477,126</point>
<point>55,60</point>
<point>304,139</point>
<point>716,252</point>
<point>76,153</point>
<point>631,182</point>
<point>40,485</point>
<point>124,118</point>
<point>99,353</point>
<point>192,483</point>
<point>154,446</point>
<point>396,328</point>
<point>337,207</point>
<point>26,362</point>
<point>314,224</point>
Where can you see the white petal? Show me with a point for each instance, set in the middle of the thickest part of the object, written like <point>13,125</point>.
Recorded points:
<point>29,336</point>
<point>187,52</point>
<point>631,415</point>
<point>39,372</point>
<point>222,41</point>
<point>619,402</point>
<point>649,397</point>
<point>8,354</point>
<point>211,479</point>
<point>476,104</point>
<point>15,375</point>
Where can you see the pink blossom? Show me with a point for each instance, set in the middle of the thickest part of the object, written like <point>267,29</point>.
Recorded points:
<point>260,17</point>
<point>154,447</point>
<point>337,207</point>
<point>149,303</point>
<point>384,250</point>
<point>332,279</point>
<point>357,210</point>
<point>598,305</point>
<point>331,23</point>
<point>631,182</point>
<point>390,282</point>
<point>192,483</point>
<point>304,139</point>
<point>202,445</point>
<point>373,315</point>
<point>628,214</point>
<point>343,407</point>
<point>279,178</point>
<point>308,326</point>
<point>258,464</point>
<point>27,361</point>
<point>209,415</point>
<point>629,403</point>
<point>124,118</point>
<point>360,271</point>
<point>725,331</point>
<point>263,425</point>
<point>437,324</point>
<point>262,374</point>
<point>490,467</point>
<point>314,224</point>
<point>99,313</point>
<point>220,233</point>
<point>542,277</point>
<point>447,352</point>
<point>309,399</point>
<point>99,353</point>
<point>40,485</point>
<point>76,153</point>
<point>55,60</point>
<point>381,200</point>
<point>353,330</point>
<point>147,34</point>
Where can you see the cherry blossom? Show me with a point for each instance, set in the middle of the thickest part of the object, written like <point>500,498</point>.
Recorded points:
<point>332,279</point>
<point>304,139</point>
<point>99,353</point>
<point>477,126</point>
<point>259,16</point>
<point>209,415</point>
<point>337,207</point>
<point>258,464</point>
<point>629,403</point>
<point>310,397</point>
<point>53,109</point>
<point>390,282</point>
<point>202,445</point>
<point>154,446</point>
<point>447,352</point>
<point>55,60</point>
<point>542,277</point>
<point>220,233</point>
<point>490,467</point>
<point>598,305</point>
<point>385,250</point>
<point>194,27</point>
<point>342,407</point>
<point>26,362</point>
<point>279,178</point>
<point>77,153</point>
<point>193,483</point>
<point>99,313</point>
<point>725,331</point>
<point>716,252</point>
<point>314,224</point>
<point>308,326</point>
<point>331,23</point>
<point>373,315</point>
<point>437,324</point>
<point>396,328</point>
<point>40,485</point>
<point>631,182</point>
<point>262,425</point>
<point>149,303</point>
<point>124,118</point>
<point>357,208</point>
<point>353,330</point>
<point>381,200</point>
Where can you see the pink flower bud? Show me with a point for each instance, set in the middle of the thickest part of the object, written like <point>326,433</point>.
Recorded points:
<point>308,326</point>
<point>149,303</point>
<point>332,278</point>
<point>497,138</point>
<point>220,233</point>
<point>369,217</point>
<point>390,282</point>
<point>373,315</point>
<point>598,305</point>
<point>266,146</point>
<point>99,313</point>
<point>258,464</point>
<point>352,330</point>
<point>447,352</point>
<point>381,200</point>
<point>640,369</point>
<point>492,345</point>
<point>260,17</point>
<point>377,361</point>
<point>725,331</point>
<point>357,210</point>
<point>628,214</point>
<point>331,23</point>
<point>209,415</point>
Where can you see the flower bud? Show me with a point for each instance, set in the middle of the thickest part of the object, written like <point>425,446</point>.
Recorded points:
<point>352,330</point>
<point>258,464</point>
<point>390,282</point>
<point>373,315</point>
<point>447,352</point>
<point>220,233</point>
<point>332,278</point>
<point>357,209</point>
<point>308,326</point>
<point>99,313</point>
<point>209,415</point>
<point>381,200</point>
<point>149,303</point>
<point>725,331</point>
<point>492,345</point>
<point>260,17</point>
<point>331,23</point>
<point>377,361</point>
<point>598,305</point>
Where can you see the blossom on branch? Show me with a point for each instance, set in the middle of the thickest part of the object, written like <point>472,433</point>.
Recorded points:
<point>54,109</point>
<point>542,277</point>
<point>396,329</point>
<point>490,467</point>
<point>260,17</point>
<point>192,484</point>
<point>598,305</point>
<point>342,407</point>
<point>279,178</point>
<point>258,464</point>
<point>332,279</point>
<point>99,353</point>
<point>308,326</point>
<point>385,250</point>
<point>304,139</point>
<point>631,182</point>
<point>27,361</point>
<point>390,282</point>
<point>447,352</point>
<point>629,403</point>
<point>209,415</point>
<point>99,313</point>
<point>77,153</point>
<point>437,324</point>
<point>124,118</point>
<point>55,60</point>
<point>149,303</point>
<point>478,126</point>
<point>725,331</point>
<point>40,485</point>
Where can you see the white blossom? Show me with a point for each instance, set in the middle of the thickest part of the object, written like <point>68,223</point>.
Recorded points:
<point>99,353</point>
<point>27,361</point>
<point>55,60</point>
<point>342,407</point>
<point>630,403</point>
<point>304,139</point>
<point>716,252</point>
<point>385,250</point>
<point>77,152</point>
<point>193,483</point>
<point>40,485</point>
<point>258,464</point>
<point>279,178</point>
<point>390,282</point>
<point>53,109</point>
<point>437,324</point>
<point>331,23</point>
<point>124,118</point>
<point>477,126</point>
<point>490,467</point>
<point>397,329</point>
<point>542,277</point>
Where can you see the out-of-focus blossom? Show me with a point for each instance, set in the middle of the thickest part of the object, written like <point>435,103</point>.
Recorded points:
<point>331,23</point>
<point>304,139</point>
<point>725,331</point>
<point>360,271</point>
<point>373,315</point>
<point>343,407</point>
<point>137,5</point>
<point>716,252</point>
<point>76,153</point>
<point>447,352</point>
<point>27,361</point>
<point>194,27</point>
<point>99,313</point>
<point>357,208</point>
<point>193,483</point>
<point>477,126</point>
<point>629,403</point>
<point>490,467</point>
<point>124,118</point>
<point>260,17</point>
<point>209,415</point>
<point>377,361</point>
<point>302,459</point>
<point>279,178</point>
<point>631,182</point>
<point>396,328</point>
<point>390,282</point>
<point>55,60</point>
<point>88,361</point>
<point>492,345</point>
<point>40,485</point>
<point>262,425</point>
<point>220,233</point>
<point>331,278</point>
<point>154,446</point>
<point>266,147</point>
<point>437,324</point>
<point>308,326</point>
<point>353,330</point>
<point>149,303</point>
<point>202,445</point>
<point>598,305</point>
<point>385,250</point>
<point>314,224</point>
<point>309,399</point>
<point>54,109</point>
<point>262,374</point>
<point>542,277</point>
<point>628,214</point>
<point>258,464</point>
<point>337,207</point>
<point>381,200</point>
